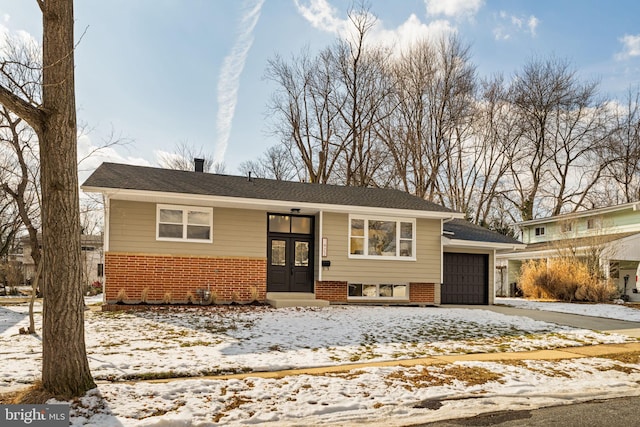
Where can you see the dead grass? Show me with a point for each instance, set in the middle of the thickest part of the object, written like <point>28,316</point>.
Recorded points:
<point>631,357</point>
<point>546,371</point>
<point>34,395</point>
<point>439,376</point>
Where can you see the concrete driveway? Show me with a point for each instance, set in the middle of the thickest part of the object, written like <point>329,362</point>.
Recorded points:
<point>631,329</point>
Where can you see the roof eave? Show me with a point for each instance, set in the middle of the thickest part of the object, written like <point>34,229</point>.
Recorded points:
<point>266,204</point>
<point>460,243</point>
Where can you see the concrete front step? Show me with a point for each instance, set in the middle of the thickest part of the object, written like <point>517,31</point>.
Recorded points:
<point>294,299</point>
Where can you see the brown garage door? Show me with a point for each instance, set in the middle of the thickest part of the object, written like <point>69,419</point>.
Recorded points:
<point>466,279</point>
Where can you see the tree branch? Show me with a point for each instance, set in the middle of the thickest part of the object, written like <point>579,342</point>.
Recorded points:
<point>31,114</point>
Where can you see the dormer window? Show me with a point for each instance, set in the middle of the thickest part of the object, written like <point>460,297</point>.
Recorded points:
<point>539,231</point>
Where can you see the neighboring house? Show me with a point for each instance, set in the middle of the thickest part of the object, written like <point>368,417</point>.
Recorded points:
<point>611,234</point>
<point>92,259</point>
<point>170,235</point>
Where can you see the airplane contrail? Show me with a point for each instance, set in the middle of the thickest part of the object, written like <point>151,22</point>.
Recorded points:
<point>229,79</point>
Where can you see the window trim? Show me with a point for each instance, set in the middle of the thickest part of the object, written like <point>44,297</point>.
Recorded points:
<point>185,210</point>
<point>398,221</point>
<point>378,297</point>
<point>540,231</point>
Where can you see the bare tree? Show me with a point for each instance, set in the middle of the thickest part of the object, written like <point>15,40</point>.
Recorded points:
<point>562,124</point>
<point>182,159</point>
<point>304,117</point>
<point>495,135</point>
<point>275,163</point>
<point>326,108</point>
<point>429,113</point>
<point>624,148</point>
<point>53,119</point>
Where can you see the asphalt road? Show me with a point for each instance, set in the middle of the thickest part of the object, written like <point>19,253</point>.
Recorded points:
<point>619,412</point>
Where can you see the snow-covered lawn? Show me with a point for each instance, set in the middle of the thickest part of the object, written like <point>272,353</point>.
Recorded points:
<point>196,341</point>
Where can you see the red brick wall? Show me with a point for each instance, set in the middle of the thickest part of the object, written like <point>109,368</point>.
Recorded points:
<point>422,293</point>
<point>331,291</point>
<point>232,279</point>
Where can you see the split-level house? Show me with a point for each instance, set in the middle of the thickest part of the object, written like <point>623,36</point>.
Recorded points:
<point>611,234</point>
<point>171,235</point>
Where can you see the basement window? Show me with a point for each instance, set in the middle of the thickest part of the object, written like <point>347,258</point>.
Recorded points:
<point>378,291</point>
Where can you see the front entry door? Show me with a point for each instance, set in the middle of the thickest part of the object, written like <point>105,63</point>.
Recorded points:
<point>290,261</point>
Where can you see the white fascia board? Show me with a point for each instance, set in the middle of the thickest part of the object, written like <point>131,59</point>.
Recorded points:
<point>473,244</point>
<point>582,214</point>
<point>264,204</point>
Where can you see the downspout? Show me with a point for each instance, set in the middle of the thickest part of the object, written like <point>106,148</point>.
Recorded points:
<point>319,245</point>
<point>442,222</point>
<point>105,244</point>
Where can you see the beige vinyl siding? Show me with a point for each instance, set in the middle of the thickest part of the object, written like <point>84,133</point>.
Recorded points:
<point>236,232</point>
<point>491,267</point>
<point>426,268</point>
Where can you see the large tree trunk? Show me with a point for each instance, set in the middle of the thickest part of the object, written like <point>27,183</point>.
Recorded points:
<point>65,368</point>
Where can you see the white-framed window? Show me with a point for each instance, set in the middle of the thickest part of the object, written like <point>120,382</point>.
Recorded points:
<point>539,231</point>
<point>378,291</point>
<point>184,223</point>
<point>382,238</point>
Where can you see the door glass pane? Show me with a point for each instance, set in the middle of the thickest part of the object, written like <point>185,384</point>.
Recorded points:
<point>278,252</point>
<point>279,223</point>
<point>301,225</point>
<point>302,254</point>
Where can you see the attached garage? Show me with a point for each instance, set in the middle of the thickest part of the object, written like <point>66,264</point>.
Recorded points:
<point>465,279</point>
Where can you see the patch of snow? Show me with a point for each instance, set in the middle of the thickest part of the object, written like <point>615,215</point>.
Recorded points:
<point>209,340</point>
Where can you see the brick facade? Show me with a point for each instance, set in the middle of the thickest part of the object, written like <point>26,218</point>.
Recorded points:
<point>422,293</point>
<point>230,279</point>
<point>331,291</point>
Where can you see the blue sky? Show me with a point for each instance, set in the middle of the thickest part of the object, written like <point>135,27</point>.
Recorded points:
<point>163,72</point>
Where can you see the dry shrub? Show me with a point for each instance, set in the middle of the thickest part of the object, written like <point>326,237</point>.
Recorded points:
<point>564,279</point>
<point>144,296</point>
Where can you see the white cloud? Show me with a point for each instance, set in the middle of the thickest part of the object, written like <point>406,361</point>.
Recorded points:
<point>511,24</point>
<point>532,23</point>
<point>229,79</point>
<point>631,47</point>
<point>453,8</point>
<point>323,16</point>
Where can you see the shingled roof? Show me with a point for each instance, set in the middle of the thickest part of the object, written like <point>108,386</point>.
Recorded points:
<point>459,229</point>
<point>142,178</point>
